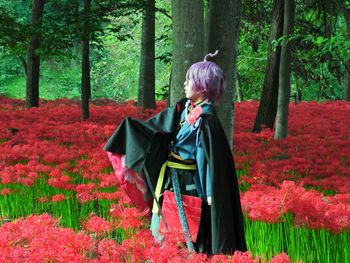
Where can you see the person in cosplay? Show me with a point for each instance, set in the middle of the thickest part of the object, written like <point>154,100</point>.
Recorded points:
<point>183,150</point>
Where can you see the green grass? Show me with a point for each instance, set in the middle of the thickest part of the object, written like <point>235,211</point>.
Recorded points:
<point>26,200</point>
<point>55,82</point>
<point>13,87</point>
<point>299,243</point>
<point>264,240</point>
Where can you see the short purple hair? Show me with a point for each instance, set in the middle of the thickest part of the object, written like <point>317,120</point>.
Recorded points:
<point>207,79</point>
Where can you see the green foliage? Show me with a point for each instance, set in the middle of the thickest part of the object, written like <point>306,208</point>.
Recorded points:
<point>13,34</point>
<point>252,54</point>
<point>115,43</point>
<point>320,46</point>
<point>300,243</point>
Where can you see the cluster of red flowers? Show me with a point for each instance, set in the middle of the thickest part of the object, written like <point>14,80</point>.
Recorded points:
<point>53,141</point>
<point>309,207</point>
<point>39,238</point>
<point>315,156</point>
<point>316,153</point>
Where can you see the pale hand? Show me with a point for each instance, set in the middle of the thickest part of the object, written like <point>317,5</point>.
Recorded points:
<point>209,200</point>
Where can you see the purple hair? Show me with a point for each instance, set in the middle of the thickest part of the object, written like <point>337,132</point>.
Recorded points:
<point>208,79</point>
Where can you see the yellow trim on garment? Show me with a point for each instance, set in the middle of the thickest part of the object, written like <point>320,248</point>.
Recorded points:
<point>169,164</point>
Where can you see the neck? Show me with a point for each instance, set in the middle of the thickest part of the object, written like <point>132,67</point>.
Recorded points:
<point>197,102</point>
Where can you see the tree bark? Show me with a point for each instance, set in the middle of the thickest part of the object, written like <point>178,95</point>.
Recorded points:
<point>33,57</point>
<point>85,64</point>
<point>146,96</point>
<point>188,26</point>
<point>268,102</point>
<point>206,25</point>
<point>347,82</point>
<point>346,13</point>
<point>224,23</point>
<point>285,72</point>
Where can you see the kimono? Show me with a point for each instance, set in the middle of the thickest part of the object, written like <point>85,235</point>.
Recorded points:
<point>147,144</point>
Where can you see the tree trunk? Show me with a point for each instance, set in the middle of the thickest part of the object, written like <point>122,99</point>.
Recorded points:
<point>188,26</point>
<point>206,25</point>
<point>347,81</point>
<point>346,96</point>
<point>346,13</point>
<point>33,64</point>
<point>224,22</point>
<point>146,96</point>
<point>285,72</point>
<point>85,64</point>
<point>268,103</point>
<point>23,62</point>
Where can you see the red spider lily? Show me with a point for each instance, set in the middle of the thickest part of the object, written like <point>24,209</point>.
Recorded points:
<point>58,198</point>
<point>6,191</point>
<point>97,225</point>
<point>194,115</point>
<point>39,238</point>
<point>280,258</point>
<point>126,217</point>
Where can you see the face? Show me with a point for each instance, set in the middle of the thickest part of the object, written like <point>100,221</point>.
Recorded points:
<point>190,94</point>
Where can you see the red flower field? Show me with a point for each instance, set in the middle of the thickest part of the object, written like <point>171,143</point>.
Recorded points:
<point>60,202</point>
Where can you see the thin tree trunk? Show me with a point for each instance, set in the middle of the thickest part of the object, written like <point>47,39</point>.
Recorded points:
<point>146,96</point>
<point>268,103</point>
<point>85,69</point>
<point>285,72</point>
<point>23,62</point>
<point>33,65</point>
<point>188,26</point>
<point>224,23</point>
<point>239,92</point>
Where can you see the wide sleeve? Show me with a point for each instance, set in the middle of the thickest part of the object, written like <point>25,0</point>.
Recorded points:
<point>139,139</point>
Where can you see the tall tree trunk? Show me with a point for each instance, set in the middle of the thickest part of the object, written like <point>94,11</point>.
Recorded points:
<point>85,64</point>
<point>346,13</point>
<point>146,96</point>
<point>268,103</point>
<point>285,72</point>
<point>206,24</point>
<point>224,22</point>
<point>347,82</point>
<point>188,26</point>
<point>33,64</point>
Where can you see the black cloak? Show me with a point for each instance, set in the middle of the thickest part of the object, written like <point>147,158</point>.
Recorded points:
<point>146,143</point>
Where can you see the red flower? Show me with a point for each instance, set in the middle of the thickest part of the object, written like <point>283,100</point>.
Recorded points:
<point>58,197</point>
<point>280,258</point>
<point>194,115</point>
<point>98,225</point>
<point>6,191</point>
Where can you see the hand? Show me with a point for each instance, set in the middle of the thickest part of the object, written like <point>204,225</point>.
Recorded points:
<point>209,200</point>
